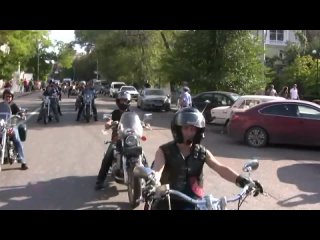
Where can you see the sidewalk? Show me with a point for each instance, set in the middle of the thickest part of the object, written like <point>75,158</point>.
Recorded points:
<point>18,94</point>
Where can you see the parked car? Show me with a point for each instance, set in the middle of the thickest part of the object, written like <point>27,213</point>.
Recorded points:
<point>114,88</point>
<point>221,115</point>
<point>216,99</point>
<point>287,122</point>
<point>151,98</point>
<point>131,90</point>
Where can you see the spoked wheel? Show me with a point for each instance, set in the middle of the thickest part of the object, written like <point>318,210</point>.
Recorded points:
<point>256,137</point>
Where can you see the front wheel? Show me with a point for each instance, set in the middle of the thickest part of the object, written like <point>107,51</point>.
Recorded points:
<point>45,115</point>
<point>87,115</point>
<point>134,189</point>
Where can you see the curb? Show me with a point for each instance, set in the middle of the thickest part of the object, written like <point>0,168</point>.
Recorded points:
<point>23,95</point>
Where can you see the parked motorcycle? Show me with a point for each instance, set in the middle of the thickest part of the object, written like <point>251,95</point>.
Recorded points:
<point>153,192</point>
<point>128,153</point>
<point>8,153</point>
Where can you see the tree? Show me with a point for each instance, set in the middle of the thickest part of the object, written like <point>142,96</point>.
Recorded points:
<point>216,60</point>
<point>303,72</point>
<point>23,46</point>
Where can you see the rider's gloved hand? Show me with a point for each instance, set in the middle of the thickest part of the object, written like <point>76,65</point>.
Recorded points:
<point>151,185</point>
<point>243,181</point>
<point>259,188</point>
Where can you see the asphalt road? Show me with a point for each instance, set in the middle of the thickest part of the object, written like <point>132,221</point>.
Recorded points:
<point>64,160</point>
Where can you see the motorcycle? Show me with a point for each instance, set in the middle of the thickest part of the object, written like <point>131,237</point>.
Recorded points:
<point>49,105</point>
<point>128,153</point>
<point>8,153</point>
<point>154,192</point>
<point>87,109</point>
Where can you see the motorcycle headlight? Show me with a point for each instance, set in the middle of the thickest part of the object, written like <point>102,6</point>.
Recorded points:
<point>131,141</point>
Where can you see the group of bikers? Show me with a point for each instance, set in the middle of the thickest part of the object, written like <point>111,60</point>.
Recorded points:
<point>54,91</point>
<point>179,162</point>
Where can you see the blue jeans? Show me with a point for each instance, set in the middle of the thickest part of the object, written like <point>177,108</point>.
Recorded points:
<point>18,144</point>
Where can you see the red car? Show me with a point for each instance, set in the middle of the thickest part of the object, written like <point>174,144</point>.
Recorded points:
<point>285,122</point>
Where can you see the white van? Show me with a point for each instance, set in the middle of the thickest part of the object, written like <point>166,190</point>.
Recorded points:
<point>114,88</point>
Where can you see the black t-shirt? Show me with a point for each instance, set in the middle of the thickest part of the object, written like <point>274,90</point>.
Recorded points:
<point>14,108</point>
<point>116,114</point>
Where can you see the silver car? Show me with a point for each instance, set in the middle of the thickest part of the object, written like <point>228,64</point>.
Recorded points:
<point>151,98</point>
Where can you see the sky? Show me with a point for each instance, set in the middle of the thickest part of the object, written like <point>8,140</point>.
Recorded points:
<point>65,36</point>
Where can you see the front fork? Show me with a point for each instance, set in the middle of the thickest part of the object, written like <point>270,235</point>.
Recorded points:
<point>129,166</point>
<point>3,145</point>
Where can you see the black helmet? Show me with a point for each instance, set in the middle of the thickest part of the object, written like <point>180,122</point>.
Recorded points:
<point>126,96</point>
<point>188,116</point>
<point>7,91</point>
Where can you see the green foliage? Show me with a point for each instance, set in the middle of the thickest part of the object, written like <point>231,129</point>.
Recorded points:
<point>24,45</point>
<point>207,60</point>
<point>302,71</point>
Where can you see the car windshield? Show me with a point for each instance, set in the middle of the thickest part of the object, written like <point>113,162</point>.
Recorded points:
<point>234,96</point>
<point>123,89</point>
<point>155,92</point>
<point>118,86</point>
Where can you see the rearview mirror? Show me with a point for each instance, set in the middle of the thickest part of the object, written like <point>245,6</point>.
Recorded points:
<point>207,101</point>
<point>147,117</point>
<point>142,172</point>
<point>24,110</point>
<point>251,165</point>
<point>107,116</point>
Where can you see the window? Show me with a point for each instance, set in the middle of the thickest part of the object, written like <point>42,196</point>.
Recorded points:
<point>222,100</point>
<point>249,103</point>
<point>308,112</point>
<point>277,35</point>
<point>204,97</point>
<point>155,92</point>
<point>288,110</point>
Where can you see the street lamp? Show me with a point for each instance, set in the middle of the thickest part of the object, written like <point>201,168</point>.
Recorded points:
<point>316,53</point>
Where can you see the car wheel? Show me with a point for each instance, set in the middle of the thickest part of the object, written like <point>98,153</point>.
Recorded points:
<point>256,137</point>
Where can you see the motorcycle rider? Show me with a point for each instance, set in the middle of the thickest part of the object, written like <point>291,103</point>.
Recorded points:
<point>87,90</point>
<point>59,92</point>
<point>81,87</point>
<point>180,162</point>
<point>50,91</point>
<point>8,97</point>
<point>123,102</point>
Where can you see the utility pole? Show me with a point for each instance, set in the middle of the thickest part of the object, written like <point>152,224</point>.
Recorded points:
<point>38,57</point>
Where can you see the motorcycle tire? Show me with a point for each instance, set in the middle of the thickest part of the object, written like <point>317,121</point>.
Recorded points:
<point>134,189</point>
<point>87,114</point>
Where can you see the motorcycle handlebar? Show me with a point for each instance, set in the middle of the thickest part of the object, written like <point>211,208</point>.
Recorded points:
<point>246,190</point>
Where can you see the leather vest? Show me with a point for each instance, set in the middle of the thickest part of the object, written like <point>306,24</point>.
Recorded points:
<point>183,174</point>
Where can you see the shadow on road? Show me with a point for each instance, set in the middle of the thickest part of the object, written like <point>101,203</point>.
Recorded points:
<point>306,177</point>
<point>68,193</point>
